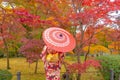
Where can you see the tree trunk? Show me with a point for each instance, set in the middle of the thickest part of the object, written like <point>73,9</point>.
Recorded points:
<point>7,54</point>
<point>78,76</point>
<point>5,49</point>
<point>36,67</point>
<point>78,60</point>
<point>87,53</point>
<point>8,64</point>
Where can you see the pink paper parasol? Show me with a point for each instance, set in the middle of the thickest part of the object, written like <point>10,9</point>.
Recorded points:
<point>59,39</point>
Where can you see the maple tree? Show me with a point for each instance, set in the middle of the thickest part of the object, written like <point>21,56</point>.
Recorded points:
<point>97,49</point>
<point>32,49</point>
<point>114,47</point>
<point>4,32</point>
<point>89,13</point>
<point>8,29</point>
<point>114,37</point>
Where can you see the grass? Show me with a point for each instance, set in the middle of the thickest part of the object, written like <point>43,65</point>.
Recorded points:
<point>27,70</point>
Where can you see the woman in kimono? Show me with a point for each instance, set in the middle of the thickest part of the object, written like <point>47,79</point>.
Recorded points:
<point>58,41</point>
<point>52,63</point>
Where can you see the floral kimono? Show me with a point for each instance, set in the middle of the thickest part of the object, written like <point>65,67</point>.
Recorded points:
<point>52,69</point>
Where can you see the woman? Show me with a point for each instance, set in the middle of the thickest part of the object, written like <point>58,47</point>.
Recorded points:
<point>58,41</point>
<point>52,63</point>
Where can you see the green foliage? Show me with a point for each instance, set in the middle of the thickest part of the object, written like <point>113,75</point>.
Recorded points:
<point>110,62</point>
<point>5,75</point>
<point>13,48</point>
<point>1,54</point>
<point>12,54</point>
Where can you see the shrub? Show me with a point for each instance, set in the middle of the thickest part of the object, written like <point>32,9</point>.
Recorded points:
<point>110,62</point>
<point>5,75</point>
<point>1,54</point>
<point>12,54</point>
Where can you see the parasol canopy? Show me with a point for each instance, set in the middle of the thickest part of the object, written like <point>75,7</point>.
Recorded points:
<point>58,39</point>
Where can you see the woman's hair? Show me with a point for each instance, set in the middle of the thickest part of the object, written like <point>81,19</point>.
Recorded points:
<point>51,51</point>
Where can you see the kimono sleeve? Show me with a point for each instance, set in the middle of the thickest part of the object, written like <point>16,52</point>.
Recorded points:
<point>43,53</point>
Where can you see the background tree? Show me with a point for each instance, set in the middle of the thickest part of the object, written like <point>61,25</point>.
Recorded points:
<point>89,13</point>
<point>114,37</point>
<point>8,29</point>
<point>31,46</point>
<point>4,31</point>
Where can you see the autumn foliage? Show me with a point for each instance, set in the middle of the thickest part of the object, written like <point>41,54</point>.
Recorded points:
<point>26,18</point>
<point>90,21</point>
<point>82,67</point>
<point>31,49</point>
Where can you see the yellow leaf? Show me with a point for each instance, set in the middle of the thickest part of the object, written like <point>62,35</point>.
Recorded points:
<point>50,18</point>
